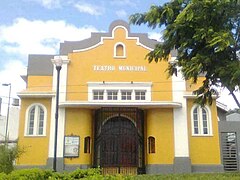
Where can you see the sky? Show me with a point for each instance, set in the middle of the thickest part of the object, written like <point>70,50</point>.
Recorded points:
<point>38,26</point>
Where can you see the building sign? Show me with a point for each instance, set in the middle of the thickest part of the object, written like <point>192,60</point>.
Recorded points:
<point>71,146</point>
<point>119,68</point>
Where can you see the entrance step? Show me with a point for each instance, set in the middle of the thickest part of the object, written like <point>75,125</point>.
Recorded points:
<point>119,170</point>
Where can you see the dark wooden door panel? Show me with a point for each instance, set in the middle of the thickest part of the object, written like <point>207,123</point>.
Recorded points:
<point>118,137</point>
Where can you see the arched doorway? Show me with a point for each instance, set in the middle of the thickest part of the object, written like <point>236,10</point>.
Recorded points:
<point>119,139</point>
<point>119,144</point>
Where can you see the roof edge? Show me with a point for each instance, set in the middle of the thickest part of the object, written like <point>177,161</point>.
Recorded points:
<point>97,38</point>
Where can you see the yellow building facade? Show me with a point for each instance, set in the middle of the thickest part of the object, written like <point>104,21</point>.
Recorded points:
<point>116,110</point>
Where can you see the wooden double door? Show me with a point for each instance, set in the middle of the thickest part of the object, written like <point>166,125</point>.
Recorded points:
<point>119,144</point>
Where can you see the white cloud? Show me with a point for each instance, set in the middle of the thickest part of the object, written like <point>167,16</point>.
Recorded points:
<point>39,37</point>
<point>155,35</point>
<point>121,14</point>
<point>89,9</point>
<point>50,4</point>
<point>25,37</point>
<point>11,74</point>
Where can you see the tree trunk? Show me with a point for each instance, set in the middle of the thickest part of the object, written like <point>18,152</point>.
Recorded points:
<point>235,98</point>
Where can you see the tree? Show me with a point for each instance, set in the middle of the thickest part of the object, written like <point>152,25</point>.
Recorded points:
<point>7,157</point>
<point>206,35</point>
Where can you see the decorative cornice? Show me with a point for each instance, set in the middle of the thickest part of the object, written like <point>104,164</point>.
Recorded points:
<point>193,96</point>
<point>144,105</point>
<point>31,94</point>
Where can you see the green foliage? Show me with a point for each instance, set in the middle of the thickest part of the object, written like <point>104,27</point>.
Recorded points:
<point>7,157</point>
<point>206,35</point>
<point>31,174</point>
<point>3,176</point>
<point>45,174</point>
<point>82,173</point>
<point>95,174</point>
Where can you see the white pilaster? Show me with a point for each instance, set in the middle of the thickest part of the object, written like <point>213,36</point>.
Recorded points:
<point>61,117</point>
<point>181,144</point>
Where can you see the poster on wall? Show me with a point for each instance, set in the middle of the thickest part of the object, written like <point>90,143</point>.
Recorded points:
<point>71,146</point>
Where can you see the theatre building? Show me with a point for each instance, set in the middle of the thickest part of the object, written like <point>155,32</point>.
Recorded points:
<point>116,110</point>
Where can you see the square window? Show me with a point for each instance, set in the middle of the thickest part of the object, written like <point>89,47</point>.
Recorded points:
<point>126,95</point>
<point>140,95</point>
<point>112,95</point>
<point>98,95</point>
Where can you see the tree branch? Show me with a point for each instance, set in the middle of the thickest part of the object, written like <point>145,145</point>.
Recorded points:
<point>234,97</point>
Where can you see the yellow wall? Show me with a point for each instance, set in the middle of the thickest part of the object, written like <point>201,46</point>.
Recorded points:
<point>190,86</point>
<point>36,144</point>
<point>204,149</point>
<point>39,83</point>
<point>79,123</point>
<point>160,126</point>
<point>80,69</point>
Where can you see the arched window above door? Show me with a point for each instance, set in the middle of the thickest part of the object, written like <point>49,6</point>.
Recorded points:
<point>119,50</point>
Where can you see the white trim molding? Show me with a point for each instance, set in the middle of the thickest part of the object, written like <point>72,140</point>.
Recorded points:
<point>31,94</point>
<point>190,95</point>
<point>143,105</point>
<point>181,142</point>
<point>112,37</point>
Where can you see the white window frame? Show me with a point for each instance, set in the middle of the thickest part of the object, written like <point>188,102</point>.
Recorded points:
<point>115,50</point>
<point>200,121</point>
<point>140,95</point>
<point>98,95</point>
<point>119,86</point>
<point>36,127</point>
<point>112,94</point>
<point>125,96</point>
